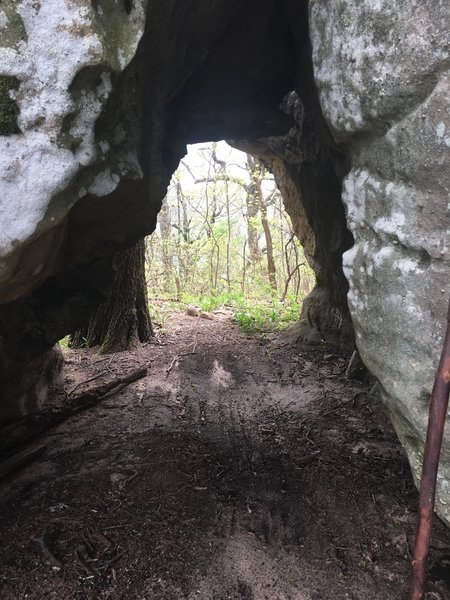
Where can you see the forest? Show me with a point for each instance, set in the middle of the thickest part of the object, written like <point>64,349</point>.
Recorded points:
<point>224,239</point>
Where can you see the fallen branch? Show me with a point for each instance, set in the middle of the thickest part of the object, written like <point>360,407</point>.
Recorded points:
<point>12,463</point>
<point>178,356</point>
<point>94,395</point>
<point>33,425</point>
<point>86,381</point>
<point>171,365</point>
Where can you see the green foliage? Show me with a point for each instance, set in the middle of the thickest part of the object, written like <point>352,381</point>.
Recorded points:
<point>159,314</point>
<point>258,317</point>
<point>213,302</point>
<point>267,317</point>
<point>65,342</point>
<point>9,110</point>
<point>224,239</point>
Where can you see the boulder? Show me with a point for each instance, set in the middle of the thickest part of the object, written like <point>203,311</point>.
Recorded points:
<point>308,167</point>
<point>27,391</point>
<point>382,72</point>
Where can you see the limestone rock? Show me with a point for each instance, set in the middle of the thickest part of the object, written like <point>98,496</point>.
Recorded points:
<point>382,71</point>
<point>63,57</point>
<point>307,169</point>
<point>98,99</point>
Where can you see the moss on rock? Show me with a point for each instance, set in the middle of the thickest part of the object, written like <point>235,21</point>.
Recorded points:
<point>8,107</point>
<point>12,28</point>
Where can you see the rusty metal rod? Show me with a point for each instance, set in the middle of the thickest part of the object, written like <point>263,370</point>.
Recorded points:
<point>432,452</point>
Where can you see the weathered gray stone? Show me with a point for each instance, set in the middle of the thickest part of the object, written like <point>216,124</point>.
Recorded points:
<point>382,70</point>
<point>307,169</point>
<point>64,55</point>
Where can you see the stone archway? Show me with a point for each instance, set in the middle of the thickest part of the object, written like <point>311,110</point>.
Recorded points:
<point>104,113</point>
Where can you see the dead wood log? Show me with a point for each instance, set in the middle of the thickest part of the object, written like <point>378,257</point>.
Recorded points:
<point>33,425</point>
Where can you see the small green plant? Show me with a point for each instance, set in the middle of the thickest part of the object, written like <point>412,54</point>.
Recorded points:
<point>159,314</point>
<point>65,342</point>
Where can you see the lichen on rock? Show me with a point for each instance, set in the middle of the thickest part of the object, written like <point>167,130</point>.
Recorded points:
<point>98,100</point>
<point>60,62</point>
<point>62,41</point>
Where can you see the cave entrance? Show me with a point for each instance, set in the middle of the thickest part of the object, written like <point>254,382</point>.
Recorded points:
<point>231,467</point>
<point>235,468</point>
<point>224,239</point>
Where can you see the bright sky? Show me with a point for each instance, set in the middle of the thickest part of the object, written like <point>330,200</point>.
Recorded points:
<point>198,164</point>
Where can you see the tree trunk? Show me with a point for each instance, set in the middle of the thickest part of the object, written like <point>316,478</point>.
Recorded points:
<point>252,233</point>
<point>256,172</point>
<point>252,213</point>
<point>164,219</point>
<point>227,198</point>
<point>271,269</point>
<point>123,321</point>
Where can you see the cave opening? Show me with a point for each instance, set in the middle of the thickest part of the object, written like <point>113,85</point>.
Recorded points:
<point>237,87</point>
<point>225,238</point>
<point>212,463</point>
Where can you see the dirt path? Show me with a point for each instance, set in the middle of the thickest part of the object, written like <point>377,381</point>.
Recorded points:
<point>229,472</point>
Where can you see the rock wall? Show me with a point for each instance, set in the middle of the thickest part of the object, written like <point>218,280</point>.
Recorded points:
<point>383,74</point>
<point>27,391</point>
<point>63,57</point>
<point>61,63</point>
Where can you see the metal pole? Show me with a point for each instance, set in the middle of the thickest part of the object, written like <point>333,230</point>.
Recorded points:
<point>432,452</point>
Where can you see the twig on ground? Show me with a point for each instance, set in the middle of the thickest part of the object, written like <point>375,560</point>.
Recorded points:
<point>130,479</point>
<point>86,381</point>
<point>178,356</point>
<point>33,425</point>
<point>109,358</point>
<point>171,365</point>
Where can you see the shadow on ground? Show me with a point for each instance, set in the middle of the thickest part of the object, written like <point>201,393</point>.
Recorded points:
<point>229,472</point>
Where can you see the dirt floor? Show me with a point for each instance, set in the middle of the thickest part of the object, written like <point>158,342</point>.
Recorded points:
<point>232,471</point>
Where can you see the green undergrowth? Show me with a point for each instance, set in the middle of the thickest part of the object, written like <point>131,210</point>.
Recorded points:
<point>160,313</point>
<point>65,342</point>
<point>267,317</point>
<point>213,301</point>
<point>253,315</point>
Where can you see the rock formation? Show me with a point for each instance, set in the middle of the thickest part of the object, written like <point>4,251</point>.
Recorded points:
<point>98,102</point>
<point>382,71</point>
<point>98,99</point>
<point>308,168</point>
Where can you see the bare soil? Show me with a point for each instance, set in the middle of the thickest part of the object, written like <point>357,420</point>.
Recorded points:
<point>232,471</point>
